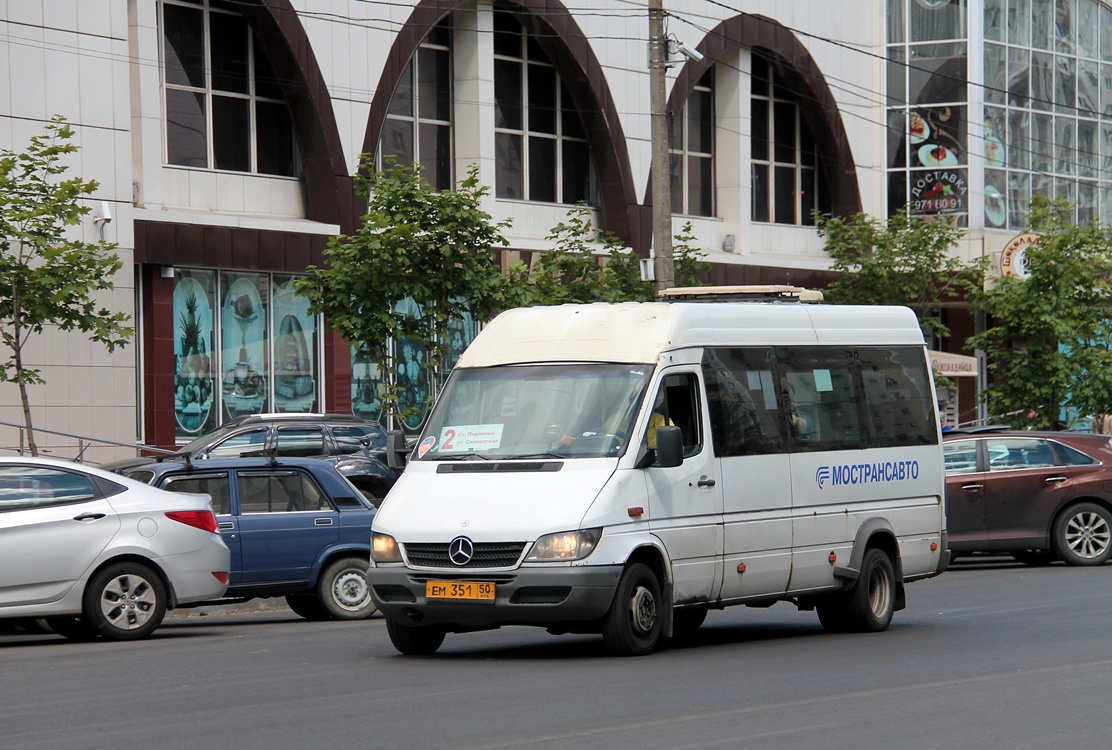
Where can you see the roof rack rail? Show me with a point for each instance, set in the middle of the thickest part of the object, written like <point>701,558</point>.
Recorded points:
<point>763,293</point>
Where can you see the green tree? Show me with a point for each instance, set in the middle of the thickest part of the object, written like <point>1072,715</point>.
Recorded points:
<point>1049,335</point>
<point>436,248</point>
<point>47,278</point>
<point>904,261</point>
<point>573,271</point>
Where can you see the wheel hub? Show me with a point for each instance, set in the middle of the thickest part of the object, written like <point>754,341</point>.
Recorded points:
<point>642,608</point>
<point>128,602</point>
<point>1088,535</point>
<point>351,590</point>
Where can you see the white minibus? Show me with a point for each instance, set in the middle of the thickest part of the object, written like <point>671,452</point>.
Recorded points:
<point>624,468</point>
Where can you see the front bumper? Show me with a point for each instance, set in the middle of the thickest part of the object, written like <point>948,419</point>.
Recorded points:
<point>548,597</point>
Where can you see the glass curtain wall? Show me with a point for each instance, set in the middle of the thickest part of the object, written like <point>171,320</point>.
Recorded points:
<point>1048,107</point>
<point>928,157</point>
<point>1046,122</point>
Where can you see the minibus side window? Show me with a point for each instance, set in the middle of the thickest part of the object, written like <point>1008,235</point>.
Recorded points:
<point>821,398</point>
<point>898,396</point>
<point>745,416</point>
<point>818,398</point>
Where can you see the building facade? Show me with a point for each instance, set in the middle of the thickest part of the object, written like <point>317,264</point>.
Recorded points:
<point>224,135</point>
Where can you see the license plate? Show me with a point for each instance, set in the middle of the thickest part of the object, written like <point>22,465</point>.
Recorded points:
<point>467,590</point>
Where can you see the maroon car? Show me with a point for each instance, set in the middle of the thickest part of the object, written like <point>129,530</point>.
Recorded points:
<point>1038,496</point>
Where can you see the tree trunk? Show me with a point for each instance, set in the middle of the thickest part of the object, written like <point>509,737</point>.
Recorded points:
<point>34,448</point>
<point>17,319</point>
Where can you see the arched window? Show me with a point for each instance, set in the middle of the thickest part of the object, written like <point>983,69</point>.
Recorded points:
<point>786,180</point>
<point>418,127</point>
<point>693,151</point>
<point>224,105</point>
<point>541,147</point>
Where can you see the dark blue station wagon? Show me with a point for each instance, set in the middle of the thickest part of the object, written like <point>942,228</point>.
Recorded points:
<point>296,528</point>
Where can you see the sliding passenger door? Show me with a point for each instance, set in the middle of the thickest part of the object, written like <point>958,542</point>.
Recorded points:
<point>749,432</point>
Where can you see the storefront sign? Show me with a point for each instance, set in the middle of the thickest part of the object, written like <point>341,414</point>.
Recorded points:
<point>939,191</point>
<point>1013,259</point>
<point>953,365</point>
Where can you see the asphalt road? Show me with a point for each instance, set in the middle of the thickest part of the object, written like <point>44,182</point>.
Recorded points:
<point>988,655</point>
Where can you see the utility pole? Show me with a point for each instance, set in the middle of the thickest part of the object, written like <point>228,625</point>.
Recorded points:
<point>663,263</point>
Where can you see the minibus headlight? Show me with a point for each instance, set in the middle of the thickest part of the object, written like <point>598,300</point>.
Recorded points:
<point>564,545</point>
<point>384,549</point>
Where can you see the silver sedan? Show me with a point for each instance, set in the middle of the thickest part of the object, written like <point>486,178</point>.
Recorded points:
<point>96,554</point>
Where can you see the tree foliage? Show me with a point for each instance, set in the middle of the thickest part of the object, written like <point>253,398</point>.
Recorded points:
<point>1048,336</point>
<point>574,270</point>
<point>47,278</point>
<point>436,248</point>
<point>904,261</point>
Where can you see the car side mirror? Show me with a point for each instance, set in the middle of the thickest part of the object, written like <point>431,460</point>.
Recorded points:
<point>669,446</point>
<point>396,453</point>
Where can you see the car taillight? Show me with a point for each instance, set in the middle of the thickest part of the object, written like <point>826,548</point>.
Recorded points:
<point>220,575</point>
<point>205,520</point>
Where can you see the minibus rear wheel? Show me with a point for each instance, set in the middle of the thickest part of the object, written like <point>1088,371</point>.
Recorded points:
<point>632,626</point>
<point>868,606</point>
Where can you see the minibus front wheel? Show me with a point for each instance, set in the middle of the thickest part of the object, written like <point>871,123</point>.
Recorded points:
<point>867,607</point>
<point>632,626</point>
<point>415,641</point>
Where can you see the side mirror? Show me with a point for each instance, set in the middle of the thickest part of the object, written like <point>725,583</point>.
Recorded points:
<point>396,453</point>
<point>669,446</point>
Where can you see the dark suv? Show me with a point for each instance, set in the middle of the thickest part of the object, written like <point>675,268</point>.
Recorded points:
<point>1038,496</point>
<point>296,527</point>
<point>355,446</point>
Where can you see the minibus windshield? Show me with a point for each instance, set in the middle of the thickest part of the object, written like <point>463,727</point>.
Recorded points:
<point>534,411</point>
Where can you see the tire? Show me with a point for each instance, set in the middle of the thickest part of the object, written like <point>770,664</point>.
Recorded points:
<point>343,591</point>
<point>1036,558</point>
<point>125,601</point>
<point>868,606</point>
<point>632,626</point>
<point>1083,534</point>
<point>413,641</point>
<point>307,606</point>
<point>74,627</point>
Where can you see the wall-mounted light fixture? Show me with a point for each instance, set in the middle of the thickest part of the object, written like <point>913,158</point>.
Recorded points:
<point>167,272</point>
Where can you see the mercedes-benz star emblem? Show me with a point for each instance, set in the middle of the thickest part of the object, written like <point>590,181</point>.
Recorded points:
<point>461,550</point>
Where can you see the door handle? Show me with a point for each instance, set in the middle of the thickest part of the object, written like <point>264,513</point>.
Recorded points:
<point>226,525</point>
<point>705,482</point>
<point>322,521</point>
<point>89,517</point>
<point>972,487</point>
<point>1054,480</point>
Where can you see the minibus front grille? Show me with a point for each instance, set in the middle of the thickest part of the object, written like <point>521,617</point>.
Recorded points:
<point>485,468</point>
<point>486,555</point>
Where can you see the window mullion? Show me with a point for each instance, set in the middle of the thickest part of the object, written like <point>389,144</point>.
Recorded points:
<point>253,130</point>
<point>210,138</point>
<point>524,62</point>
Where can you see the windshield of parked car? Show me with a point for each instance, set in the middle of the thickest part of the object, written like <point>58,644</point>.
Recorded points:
<point>535,411</point>
<point>205,440</point>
